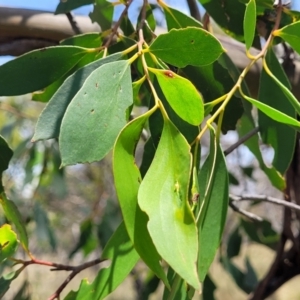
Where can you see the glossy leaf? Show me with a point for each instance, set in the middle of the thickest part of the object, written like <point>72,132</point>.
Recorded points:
<point>8,242</point>
<point>37,69</point>
<point>103,14</point>
<point>100,107</point>
<point>68,5</point>
<point>189,46</point>
<point>212,211</point>
<point>291,34</point>
<point>127,186</point>
<point>5,156</point>
<point>177,19</point>
<point>182,95</point>
<point>12,213</point>
<point>250,23</point>
<point>86,40</point>
<point>163,195</point>
<point>119,250</point>
<point>274,113</point>
<point>280,136</point>
<point>49,122</point>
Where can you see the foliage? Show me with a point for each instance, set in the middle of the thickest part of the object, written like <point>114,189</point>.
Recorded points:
<point>173,207</point>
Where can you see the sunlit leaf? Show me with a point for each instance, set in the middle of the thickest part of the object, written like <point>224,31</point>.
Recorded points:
<point>274,113</point>
<point>37,69</point>
<point>48,124</point>
<point>189,46</point>
<point>250,23</point>
<point>291,34</point>
<point>213,205</point>
<point>8,242</point>
<point>182,95</point>
<point>100,107</point>
<point>127,186</point>
<point>163,195</point>
<point>122,256</point>
<point>87,40</point>
<point>12,213</point>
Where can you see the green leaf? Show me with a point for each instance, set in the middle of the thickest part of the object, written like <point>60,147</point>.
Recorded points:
<point>177,19</point>
<point>189,46</point>
<point>261,232</point>
<point>86,40</point>
<point>37,69</point>
<point>181,95</point>
<point>209,288</point>
<point>13,215</point>
<point>274,113</point>
<point>120,251</point>
<point>163,195</point>
<point>214,81</point>
<point>5,156</point>
<point>291,34</point>
<point>8,242</point>
<point>285,90</point>
<point>127,185</point>
<point>228,14</point>
<point>214,197</point>
<point>87,241</point>
<point>246,125</point>
<point>44,231</point>
<point>68,5</point>
<point>180,290</point>
<point>280,136</point>
<point>250,23</point>
<point>100,107</point>
<point>234,243</point>
<point>49,122</point>
<point>103,14</point>
<point>146,14</point>
<point>6,280</point>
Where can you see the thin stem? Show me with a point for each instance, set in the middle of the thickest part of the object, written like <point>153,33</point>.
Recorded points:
<point>242,140</point>
<point>244,213</point>
<point>265,198</point>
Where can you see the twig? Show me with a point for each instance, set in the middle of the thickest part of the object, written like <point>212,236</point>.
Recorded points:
<point>241,140</point>
<point>143,15</point>
<point>194,10</point>
<point>75,271</point>
<point>60,267</point>
<point>117,24</point>
<point>73,23</point>
<point>265,199</point>
<point>244,212</point>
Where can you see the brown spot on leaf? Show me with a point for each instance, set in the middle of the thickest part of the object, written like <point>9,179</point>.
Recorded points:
<point>169,74</point>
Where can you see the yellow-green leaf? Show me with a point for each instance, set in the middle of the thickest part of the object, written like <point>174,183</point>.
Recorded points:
<point>182,95</point>
<point>163,195</point>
